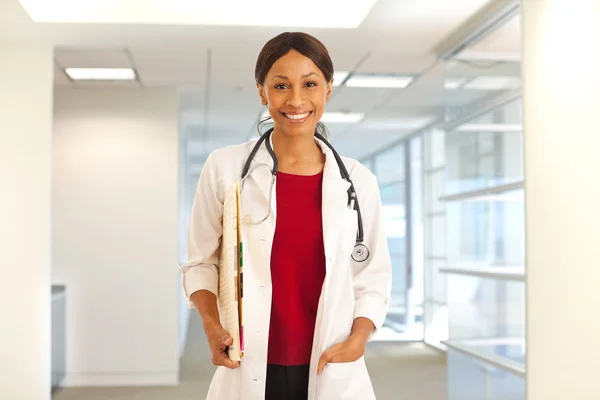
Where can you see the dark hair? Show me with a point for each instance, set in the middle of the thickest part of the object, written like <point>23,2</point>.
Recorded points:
<point>303,43</point>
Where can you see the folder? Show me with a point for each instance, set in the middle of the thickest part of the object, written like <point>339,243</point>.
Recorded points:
<point>230,298</point>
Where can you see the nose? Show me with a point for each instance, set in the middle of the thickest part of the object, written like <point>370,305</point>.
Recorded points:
<point>295,98</point>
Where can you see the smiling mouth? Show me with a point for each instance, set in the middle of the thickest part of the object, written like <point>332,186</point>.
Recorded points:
<point>297,117</point>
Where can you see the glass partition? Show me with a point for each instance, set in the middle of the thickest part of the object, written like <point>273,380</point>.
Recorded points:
<point>435,310</point>
<point>483,199</point>
<point>471,379</point>
<point>390,169</point>
<point>482,309</point>
<point>399,172</point>
<point>415,290</point>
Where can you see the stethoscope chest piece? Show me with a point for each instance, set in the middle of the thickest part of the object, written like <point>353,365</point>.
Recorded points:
<point>360,253</point>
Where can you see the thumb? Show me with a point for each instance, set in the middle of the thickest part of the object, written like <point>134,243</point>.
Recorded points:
<point>225,342</point>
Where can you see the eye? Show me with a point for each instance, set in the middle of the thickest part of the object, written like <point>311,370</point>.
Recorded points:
<point>280,86</point>
<point>311,84</point>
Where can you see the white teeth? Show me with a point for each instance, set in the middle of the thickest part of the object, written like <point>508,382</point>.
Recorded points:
<point>297,116</point>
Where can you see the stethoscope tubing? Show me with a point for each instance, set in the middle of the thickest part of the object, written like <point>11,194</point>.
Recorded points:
<point>360,252</point>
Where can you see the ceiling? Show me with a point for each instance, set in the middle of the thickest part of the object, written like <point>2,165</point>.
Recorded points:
<point>213,67</point>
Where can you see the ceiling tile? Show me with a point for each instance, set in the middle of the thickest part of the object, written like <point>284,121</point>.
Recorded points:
<point>395,62</point>
<point>350,99</point>
<point>181,78</point>
<point>105,84</point>
<point>61,79</point>
<point>167,59</point>
<point>105,58</point>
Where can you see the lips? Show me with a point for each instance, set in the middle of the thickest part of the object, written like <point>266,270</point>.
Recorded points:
<point>297,116</point>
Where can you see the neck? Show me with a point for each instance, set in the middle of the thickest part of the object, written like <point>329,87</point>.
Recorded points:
<point>297,153</point>
<point>293,148</point>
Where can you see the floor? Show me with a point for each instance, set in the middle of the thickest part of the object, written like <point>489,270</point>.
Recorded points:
<point>399,371</point>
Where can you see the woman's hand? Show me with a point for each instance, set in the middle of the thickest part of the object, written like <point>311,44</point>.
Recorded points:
<point>218,338</point>
<point>218,341</point>
<point>348,351</point>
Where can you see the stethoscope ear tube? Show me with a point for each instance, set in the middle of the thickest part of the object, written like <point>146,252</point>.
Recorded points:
<point>254,151</point>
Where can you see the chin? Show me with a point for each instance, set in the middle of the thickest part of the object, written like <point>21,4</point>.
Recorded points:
<point>306,128</point>
<point>297,130</point>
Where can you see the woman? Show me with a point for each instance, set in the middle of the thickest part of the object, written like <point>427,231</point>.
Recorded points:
<point>309,308</point>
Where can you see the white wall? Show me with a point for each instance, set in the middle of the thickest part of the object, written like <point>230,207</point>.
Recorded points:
<point>26,74</point>
<point>561,60</point>
<point>184,212</point>
<point>115,233</point>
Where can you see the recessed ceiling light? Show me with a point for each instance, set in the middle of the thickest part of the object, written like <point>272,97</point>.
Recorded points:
<point>101,74</point>
<point>493,83</point>
<point>399,123</point>
<point>342,118</point>
<point>454,83</point>
<point>333,117</point>
<point>175,12</point>
<point>490,128</point>
<point>379,81</point>
<point>338,77</point>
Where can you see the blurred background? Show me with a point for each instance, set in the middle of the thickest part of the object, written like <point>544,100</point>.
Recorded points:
<point>117,106</point>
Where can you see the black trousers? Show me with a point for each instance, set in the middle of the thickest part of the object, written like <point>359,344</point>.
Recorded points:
<point>287,382</point>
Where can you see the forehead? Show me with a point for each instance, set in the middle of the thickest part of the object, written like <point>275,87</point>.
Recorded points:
<point>294,64</point>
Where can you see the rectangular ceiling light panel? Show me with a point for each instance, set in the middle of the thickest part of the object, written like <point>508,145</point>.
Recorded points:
<point>378,81</point>
<point>454,83</point>
<point>104,74</point>
<point>308,13</point>
<point>475,127</point>
<point>342,118</point>
<point>339,77</point>
<point>493,83</point>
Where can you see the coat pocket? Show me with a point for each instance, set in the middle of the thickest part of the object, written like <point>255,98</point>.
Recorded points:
<point>341,370</point>
<point>345,381</point>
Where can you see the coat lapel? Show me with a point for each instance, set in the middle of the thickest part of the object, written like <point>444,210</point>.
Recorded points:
<point>261,188</point>
<point>334,202</point>
<point>256,192</point>
<point>334,199</point>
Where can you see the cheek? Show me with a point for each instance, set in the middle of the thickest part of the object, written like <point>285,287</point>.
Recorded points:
<point>319,98</point>
<point>273,97</point>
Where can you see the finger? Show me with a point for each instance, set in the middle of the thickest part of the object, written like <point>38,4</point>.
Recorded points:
<point>222,359</point>
<point>227,362</point>
<point>322,362</point>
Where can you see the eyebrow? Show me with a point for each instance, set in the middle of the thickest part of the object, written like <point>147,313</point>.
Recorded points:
<point>287,79</point>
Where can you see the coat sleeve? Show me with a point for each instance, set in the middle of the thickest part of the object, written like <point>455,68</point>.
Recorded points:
<point>205,230</point>
<point>373,277</point>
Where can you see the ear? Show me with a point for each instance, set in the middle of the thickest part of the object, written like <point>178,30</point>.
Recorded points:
<point>328,93</point>
<point>261,93</point>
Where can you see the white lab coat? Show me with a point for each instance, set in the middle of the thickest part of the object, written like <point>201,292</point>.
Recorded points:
<point>350,289</point>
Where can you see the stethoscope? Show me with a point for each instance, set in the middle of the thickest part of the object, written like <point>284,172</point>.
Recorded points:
<point>360,252</point>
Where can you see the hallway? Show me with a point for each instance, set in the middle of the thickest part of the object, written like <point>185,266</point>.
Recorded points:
<point>400,371</point>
